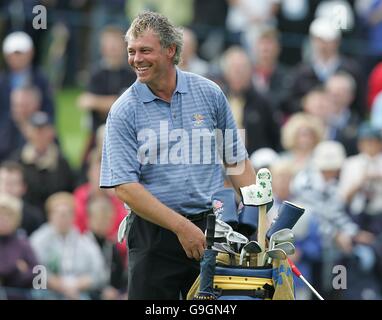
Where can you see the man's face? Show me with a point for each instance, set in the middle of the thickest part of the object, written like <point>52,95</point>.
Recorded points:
<point>41,137</point>
<point>339,90</point>
<point>18,61</point>
<point>23,104</point>
<point>11,182</point>
<point>8,221</point>
<point>148,59</point>
<point>325,49</point>
<point>61,218</point>
<point>113,48</point>
<point>370,146</point>
<point>238,72</point>
<point>267,48</point>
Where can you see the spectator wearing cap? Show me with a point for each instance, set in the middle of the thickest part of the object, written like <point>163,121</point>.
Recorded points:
<point>325,60</point>
<point>18,53</point>
<point>46,170</point>
<point>316,188</point>
<point>361,180</point>
<point>18,50</point>
<point>17,258</point>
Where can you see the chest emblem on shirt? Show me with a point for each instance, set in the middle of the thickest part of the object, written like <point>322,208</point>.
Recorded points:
<point>217,207</point>
<point>197,119</point>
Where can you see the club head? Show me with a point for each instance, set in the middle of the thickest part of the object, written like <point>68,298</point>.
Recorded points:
<point>252,247</point>
<point>283,235</point>
<point>221,226</point>
<point>236,237</point>
<point>287,246</point>
<point>274,254</point>
<point>277,254</point>
<point>223,248</point>
<point>218,248</point>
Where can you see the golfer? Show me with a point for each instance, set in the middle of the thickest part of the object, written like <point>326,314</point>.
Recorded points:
<point>160,167</point>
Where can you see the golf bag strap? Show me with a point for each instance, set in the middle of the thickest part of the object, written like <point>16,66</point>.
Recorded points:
<point>265,293</point>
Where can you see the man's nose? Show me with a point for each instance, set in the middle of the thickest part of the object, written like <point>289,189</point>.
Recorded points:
<point>138,57</point>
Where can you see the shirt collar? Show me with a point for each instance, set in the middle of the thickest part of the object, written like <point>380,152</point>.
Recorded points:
<point>147,95</point>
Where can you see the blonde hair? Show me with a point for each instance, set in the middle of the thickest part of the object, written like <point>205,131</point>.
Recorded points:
<point>59,198</point>
<point>12,204</point>
<point>168,34</point>
<point>295,123</point>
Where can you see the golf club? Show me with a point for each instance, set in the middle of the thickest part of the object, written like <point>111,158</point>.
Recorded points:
<point>297,272</point>
<point>236,237</point>
<point>283,235</point>
<point>288,247</point>
<point>225,248</point>
<point>274,254</point>
<point>252,247</point>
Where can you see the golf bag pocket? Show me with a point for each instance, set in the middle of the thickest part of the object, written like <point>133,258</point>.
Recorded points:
<point>235,283</point>
<point>243,284</point>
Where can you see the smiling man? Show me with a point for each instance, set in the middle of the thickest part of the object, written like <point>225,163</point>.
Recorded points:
<point>169,192</point>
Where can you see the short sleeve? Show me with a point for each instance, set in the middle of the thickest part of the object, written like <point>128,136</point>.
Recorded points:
<point>119,153</point>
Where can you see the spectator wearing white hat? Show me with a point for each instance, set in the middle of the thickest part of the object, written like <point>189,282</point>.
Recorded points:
<point>316,189</point>
<point>324,60</point>
<point>18,51</point>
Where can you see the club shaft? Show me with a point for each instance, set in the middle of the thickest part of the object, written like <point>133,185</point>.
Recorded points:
<point>311,287</point>
<point>297,272</point>
<point>261,231</point>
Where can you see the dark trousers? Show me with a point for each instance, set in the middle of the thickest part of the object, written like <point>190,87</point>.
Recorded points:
<point>158,267</point>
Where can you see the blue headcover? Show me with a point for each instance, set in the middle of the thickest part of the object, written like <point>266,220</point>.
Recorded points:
<point>224,206</point>
<point>287,217</point>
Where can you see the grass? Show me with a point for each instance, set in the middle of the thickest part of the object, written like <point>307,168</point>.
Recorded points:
<point>71,124</point>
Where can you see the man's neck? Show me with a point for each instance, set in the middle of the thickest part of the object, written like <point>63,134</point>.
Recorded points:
<point>164,88</point>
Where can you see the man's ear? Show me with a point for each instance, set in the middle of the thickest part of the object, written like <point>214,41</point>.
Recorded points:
<point>171,50</point>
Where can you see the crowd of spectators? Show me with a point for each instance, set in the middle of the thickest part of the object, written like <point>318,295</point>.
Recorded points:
<point>303,78</point>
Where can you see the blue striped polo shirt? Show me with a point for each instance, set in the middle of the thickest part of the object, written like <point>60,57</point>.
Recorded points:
<point>172,148</point>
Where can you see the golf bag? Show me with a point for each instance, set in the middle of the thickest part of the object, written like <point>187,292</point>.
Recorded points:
<point>270,282</point>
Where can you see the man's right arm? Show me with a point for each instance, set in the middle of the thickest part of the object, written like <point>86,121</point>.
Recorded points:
<point>148,207</point>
